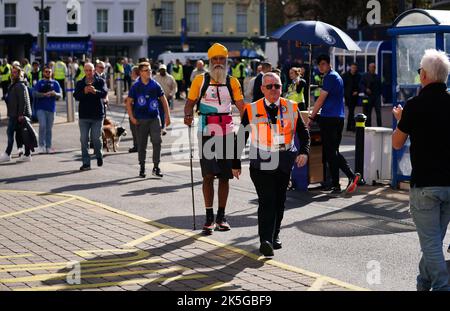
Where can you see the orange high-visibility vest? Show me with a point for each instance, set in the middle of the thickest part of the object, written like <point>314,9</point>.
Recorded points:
<point>264,132</point>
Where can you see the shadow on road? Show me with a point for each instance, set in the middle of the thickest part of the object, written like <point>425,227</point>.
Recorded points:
<point>183,267</point>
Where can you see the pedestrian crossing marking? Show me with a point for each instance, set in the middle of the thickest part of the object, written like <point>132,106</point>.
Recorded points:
<point>143,281</point>
<point>213,287</point>
<point>146,238</point>
<point>36,208</point>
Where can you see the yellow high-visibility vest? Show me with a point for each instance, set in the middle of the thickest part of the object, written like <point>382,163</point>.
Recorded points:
<point>178,76</point>
<point>60,70</point>
<point>236,71</point>
<point>81,75</point>
<point>6,76</point>
<point>119,71</point>
<point>293,95</point>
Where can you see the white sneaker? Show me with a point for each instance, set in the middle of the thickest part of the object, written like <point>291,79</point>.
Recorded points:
<point>51,150</point>
<point>5,158</point>
<point>20,151</point>
<point>24,158</point>
<point>41,149</point>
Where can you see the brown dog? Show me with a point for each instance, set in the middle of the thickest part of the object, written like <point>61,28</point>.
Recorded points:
<point>111,133</point>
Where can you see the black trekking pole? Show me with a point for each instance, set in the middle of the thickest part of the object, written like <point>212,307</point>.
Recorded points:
<point>191,156</point>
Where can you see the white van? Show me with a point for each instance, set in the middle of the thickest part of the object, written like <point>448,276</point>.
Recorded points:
<point>166,57</point>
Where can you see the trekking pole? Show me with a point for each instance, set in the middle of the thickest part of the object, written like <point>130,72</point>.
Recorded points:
<point>192,175</point>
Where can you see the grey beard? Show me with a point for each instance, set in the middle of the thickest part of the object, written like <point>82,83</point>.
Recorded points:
<point>219,75</point>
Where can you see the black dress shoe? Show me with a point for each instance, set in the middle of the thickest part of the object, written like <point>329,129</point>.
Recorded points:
<point>85,167</point>
<point>277,243</point>
<point>133,149</point>
<point>142,172</point>
<point>99,162</point>
<point>266,249</point>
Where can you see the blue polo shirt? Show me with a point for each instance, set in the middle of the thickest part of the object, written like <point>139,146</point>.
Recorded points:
<point>46,103</point>
<point>146,99</point>
<point>334,103</point>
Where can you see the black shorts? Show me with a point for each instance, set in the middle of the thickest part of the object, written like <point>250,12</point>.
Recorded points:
<point>216,155</point>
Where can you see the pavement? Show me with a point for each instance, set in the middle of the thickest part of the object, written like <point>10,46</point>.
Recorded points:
<point>107,229</point>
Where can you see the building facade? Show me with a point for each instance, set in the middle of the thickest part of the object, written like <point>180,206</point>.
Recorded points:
<point>225,21</point>
<point>441,4</point>
<point>103,28</point>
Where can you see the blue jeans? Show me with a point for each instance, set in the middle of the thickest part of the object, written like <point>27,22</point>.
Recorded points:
<point>46,119</point>
<point>430,210</point>
<point>95,128</point>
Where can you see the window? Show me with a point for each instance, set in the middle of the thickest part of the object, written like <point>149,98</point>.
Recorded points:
<point>217,17</point>
<point>241,15</point>
<point>128,20</point>
<point>167,16</point>
<point>10,15</point>
<point>192,16</point>
<point>72,27</point>
<point>102,20</point>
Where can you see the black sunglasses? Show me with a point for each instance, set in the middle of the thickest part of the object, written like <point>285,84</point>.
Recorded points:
<point>418,70</point>
<point>276,86</point>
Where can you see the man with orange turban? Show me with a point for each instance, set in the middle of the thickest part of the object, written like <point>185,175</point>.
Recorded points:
<point>215,92</point>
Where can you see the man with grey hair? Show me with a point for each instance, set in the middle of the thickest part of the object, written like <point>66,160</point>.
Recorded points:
<point>425,120</point>
<point>274,122</point>
<point>200,68</point>
<point>90,92</point>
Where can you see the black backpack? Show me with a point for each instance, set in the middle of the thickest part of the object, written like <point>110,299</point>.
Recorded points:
<point>206,84</point>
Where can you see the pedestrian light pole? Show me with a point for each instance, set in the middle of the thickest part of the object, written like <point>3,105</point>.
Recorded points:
<point>184,30</point>
<point>43,46</point>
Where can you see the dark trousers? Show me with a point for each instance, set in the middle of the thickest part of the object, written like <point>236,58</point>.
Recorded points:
<point>127,82</point>
<point>5,85</point>
<point>133,133</point>
<point>63,87</point>
<point>331,131</point>
<point>271,188</point>
<point>179,88</point>
<point>351,102</point>
<point>374,102</point>
<point>15,127</point>
<point>152,128</point>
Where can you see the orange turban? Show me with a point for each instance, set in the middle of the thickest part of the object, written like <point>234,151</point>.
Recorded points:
<point>217,49</point>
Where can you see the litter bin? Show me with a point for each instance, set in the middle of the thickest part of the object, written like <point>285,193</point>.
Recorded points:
<point>313,172</point>
<point>377,154</point>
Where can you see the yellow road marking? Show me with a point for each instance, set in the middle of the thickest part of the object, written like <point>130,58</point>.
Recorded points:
<point>62,276</point>
<point>106,284</point>
<point>140,255</point>
<point>54,276</point>
<point>86,254</point>
<point>204,239</point>
<point>145,238</point>
<point>212,287</point>
<point>317,285</point>
<point>113,265</point>
<point>36,208</point>
<point>16,256</point>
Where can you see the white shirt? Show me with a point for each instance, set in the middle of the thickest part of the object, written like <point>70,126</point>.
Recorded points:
<point>277,103</point>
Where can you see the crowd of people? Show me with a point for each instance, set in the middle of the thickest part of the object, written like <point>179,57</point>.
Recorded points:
<point>271,122</point>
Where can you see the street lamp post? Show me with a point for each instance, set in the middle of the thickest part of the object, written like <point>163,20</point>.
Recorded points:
<point>41,11</point>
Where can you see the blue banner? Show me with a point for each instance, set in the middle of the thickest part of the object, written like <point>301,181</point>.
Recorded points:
<point>81,47</point>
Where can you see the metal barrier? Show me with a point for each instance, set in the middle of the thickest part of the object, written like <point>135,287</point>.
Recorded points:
<point>119,90</point>
<point>70,104</point>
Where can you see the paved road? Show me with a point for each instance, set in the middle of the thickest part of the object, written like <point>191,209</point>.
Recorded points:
<point>367,240</point>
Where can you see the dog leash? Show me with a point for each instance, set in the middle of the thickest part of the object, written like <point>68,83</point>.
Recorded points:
<point>112,118</point>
